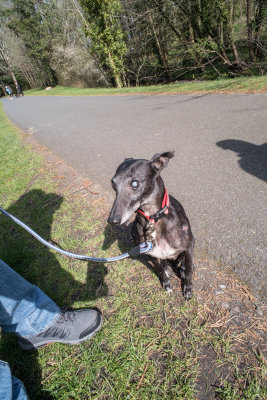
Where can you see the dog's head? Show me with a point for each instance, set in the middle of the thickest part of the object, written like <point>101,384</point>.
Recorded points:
<point>134,182</point>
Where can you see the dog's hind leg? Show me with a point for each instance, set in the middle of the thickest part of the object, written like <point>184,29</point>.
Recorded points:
<point>162,272</point>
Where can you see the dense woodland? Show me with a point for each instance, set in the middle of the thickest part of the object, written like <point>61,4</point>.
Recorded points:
<point>117,43</point>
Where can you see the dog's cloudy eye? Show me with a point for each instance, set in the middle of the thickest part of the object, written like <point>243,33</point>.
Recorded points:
<point>134,184</point>
<point>113,185</point>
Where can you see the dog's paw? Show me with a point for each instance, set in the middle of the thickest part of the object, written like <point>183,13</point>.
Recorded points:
<point>167,287</point>
<point>187,292</point>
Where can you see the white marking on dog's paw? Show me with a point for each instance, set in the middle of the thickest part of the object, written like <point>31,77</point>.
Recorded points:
<point>168,289</point>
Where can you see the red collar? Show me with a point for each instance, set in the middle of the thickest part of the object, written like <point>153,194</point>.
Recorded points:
<point>163,211</point>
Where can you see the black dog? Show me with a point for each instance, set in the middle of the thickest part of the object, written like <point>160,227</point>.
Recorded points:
<point>160,219</point>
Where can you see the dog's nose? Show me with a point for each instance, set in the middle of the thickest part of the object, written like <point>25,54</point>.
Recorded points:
<point>114,220</point>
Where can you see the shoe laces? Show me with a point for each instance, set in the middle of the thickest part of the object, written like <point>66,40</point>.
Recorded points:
<point>67,316</point>
<point>57,330</point>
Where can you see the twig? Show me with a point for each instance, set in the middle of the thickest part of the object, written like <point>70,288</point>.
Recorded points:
<point>157,338</point>
<point>220,322</point>
<point>98,200</point>
<point>250,296</point>
<point>88,190</point>
<point>50,202</point>
<point>56,368</point>
<point>81,188</point>
<point>142,377</point>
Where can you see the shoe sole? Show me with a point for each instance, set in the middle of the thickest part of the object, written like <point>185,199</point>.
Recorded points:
<point>31,346</point>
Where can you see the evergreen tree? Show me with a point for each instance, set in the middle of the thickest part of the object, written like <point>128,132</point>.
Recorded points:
<point>105,35</point>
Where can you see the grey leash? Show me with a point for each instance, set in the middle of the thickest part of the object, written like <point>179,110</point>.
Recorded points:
<point>142,248</point>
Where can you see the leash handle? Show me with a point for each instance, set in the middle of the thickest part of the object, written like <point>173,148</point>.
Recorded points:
<point>142,248</point>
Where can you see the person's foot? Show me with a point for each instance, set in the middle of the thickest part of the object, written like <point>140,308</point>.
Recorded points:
<point>71,327</point>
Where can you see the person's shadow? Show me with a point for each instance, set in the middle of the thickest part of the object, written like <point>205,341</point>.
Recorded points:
<point>38,264</point>
<point>252,158</point>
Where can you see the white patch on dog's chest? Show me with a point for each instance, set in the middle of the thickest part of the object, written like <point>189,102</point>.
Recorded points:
<point>162,250</point>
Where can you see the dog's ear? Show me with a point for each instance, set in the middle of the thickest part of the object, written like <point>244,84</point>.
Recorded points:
<point>160,161</point>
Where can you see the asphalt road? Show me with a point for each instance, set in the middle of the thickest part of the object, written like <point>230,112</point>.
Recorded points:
<point>219,172</point>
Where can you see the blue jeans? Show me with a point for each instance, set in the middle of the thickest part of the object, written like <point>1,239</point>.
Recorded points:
<point>11,388</point>
<point>26,311</point>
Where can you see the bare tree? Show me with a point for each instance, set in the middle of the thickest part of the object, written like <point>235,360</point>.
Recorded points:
<point>5,56</point>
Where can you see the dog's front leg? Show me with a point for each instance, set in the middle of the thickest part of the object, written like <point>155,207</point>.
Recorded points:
<point>162,271</point>
<point>187,274</point>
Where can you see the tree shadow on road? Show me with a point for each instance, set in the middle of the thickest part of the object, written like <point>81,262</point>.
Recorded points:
<point>252,157</point>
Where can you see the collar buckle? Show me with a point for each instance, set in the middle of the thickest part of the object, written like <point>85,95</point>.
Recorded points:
<point>152,219</point>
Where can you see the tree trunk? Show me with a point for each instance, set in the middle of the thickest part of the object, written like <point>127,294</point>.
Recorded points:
<point>162,56</point>
<point>230,34</point>
<point>14,80</point>
<point>115,74</point>
<point>249,27</point>
<point>260,19</point>
<point>5,55</point>
<point>167,19</point>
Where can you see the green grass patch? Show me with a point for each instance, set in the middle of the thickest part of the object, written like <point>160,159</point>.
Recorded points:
<point>16,164</point>
<point>235,85</point>
<point>152,345</point>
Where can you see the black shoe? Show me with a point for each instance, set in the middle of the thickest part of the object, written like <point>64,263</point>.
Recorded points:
<point>71,327</point>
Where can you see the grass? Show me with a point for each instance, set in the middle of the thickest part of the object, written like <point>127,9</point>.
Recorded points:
<point>236,85</point>
<point>151,345</point>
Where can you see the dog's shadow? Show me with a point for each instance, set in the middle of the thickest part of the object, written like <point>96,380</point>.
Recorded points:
<point>122,234</point>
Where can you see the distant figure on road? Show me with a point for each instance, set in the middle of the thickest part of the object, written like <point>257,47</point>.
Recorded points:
<point>19,90</point>
<point>9,91</point>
